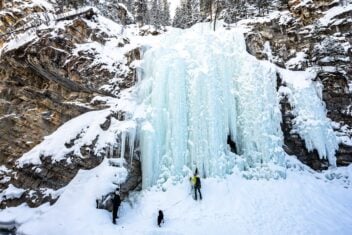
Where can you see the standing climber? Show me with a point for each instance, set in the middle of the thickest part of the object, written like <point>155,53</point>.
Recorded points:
<point>197,185</point>
<point>115,205</point>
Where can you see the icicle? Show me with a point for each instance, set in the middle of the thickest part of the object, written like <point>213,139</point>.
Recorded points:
<point>123,142</point>
<point>131,142</point>
<point>111,150</point>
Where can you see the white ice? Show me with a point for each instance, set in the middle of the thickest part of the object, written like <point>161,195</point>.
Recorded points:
<point>201,87</point>
<point>310,122</point>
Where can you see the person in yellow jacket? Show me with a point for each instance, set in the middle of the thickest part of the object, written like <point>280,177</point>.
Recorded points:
<point>196,185</point>
<point>192,180</point>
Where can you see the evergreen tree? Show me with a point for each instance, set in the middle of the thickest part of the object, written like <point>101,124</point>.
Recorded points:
<point>206,9</point>
<point>155,14</point>
<point>195,5</point>
<point>130,5</point>
<point>141,12</point>
<point>183,15</point>
<point>166,13</point>
<point>177,18</point>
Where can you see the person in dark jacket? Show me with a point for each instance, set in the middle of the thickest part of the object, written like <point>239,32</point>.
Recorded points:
<point>197,186</point>
<point>160,217</point>
<point>115,205</point>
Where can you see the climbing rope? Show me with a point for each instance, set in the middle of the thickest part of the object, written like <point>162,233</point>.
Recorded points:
<point>176,203</point>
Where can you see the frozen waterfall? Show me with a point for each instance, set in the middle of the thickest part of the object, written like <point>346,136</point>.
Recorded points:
<point>200,88</point>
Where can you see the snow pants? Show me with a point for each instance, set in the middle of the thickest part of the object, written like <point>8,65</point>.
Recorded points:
<point>195,193</point>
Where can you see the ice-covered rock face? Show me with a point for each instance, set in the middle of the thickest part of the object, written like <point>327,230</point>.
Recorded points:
<point>202,87</point>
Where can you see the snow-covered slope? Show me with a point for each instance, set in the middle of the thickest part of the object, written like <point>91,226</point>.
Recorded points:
<point>304,203</point>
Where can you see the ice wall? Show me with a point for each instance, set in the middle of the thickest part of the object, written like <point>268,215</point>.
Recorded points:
<point>200,87</point>
<point>310,122</point>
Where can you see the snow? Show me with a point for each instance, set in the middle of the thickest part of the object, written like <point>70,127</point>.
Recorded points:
<point>22,213</point>
<point>344,135</point>
<point>345,140</point>
<point>296,61</point>
<point>304,203</point>
<point>11,192</point>
<point>333,12</point>
<point>4,169</point>
<point>78,199</point>
<point>109,55</point>
<point>20,40</point>
<point>44,3</point>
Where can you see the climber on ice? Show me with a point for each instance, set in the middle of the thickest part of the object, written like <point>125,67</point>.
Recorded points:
<point>116,205</point>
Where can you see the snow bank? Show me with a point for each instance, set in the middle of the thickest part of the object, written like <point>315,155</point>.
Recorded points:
<point>11,192</point>
<point>84,128</point>
<point>76,211</point>
<point>301,204</point>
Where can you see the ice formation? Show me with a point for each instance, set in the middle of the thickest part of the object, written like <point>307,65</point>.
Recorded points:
<point>196,89</point>
<point>202,87</point>
<point>310,120</point>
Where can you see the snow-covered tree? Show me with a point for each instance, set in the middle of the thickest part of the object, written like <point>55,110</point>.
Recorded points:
<point>130,5</point>
<point>206,8</point>
<point>262,5</point>
<point>195,5</point>
<point>141,12</point>
<point>166,13</point>
<point>155,14</point>
<point>183,15</point>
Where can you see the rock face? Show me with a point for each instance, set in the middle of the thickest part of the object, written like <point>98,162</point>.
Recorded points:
<point>48,80</point>
<point>314,35</point>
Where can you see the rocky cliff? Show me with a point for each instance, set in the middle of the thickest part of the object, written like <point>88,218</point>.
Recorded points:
<point>51,68</point>
<point>312,35</point>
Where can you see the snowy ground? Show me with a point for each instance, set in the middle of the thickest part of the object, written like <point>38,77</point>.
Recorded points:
<point>301,204</point>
